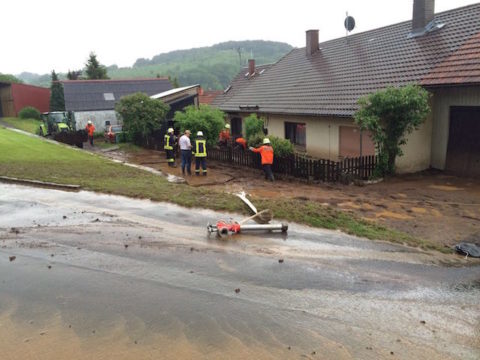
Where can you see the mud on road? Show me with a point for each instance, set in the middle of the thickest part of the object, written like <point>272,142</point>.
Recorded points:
<point>98,276</point>
<point>438,207</point>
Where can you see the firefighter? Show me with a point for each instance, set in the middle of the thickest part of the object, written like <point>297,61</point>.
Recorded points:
<point>240,143</point>
<point>224,136</point>
<point>90,128</point>
<point>266,152</point>
<point>168,146</point>
<point>200,152</point>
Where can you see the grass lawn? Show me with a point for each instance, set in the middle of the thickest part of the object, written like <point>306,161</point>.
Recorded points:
<point>31,158</point>
<point>29,125</point>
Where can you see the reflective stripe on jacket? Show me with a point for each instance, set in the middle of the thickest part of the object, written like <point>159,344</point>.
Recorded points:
<point>201,148</point>
<point>168,142</point>
<point>266,153</point>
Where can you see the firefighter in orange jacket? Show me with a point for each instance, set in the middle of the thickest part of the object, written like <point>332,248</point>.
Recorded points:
<point>266,152</point>
<point>224,136</point>
<point>90,128</point>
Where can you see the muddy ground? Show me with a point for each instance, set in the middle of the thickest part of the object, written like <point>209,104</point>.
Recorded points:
<point>94,276</point>
<point>432,205</point>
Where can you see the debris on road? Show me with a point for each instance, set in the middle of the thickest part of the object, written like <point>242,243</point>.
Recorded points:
<point>11,258</point>
<point>237,290</point>
<point>14,230</point>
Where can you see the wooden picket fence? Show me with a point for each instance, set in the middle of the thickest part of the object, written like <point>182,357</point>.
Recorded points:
<point>302,167</point>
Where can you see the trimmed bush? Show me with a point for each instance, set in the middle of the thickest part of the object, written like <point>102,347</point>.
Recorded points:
<point>29,112</point>
<point>207,119</point>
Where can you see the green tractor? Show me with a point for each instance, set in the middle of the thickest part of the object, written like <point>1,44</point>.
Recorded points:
<point>56,122</point>
<point>60,126</point>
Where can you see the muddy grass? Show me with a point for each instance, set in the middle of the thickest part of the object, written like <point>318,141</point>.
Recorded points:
<point>430,209</point>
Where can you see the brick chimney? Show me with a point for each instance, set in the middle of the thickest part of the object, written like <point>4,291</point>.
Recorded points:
<point>312,42</point>
<point>423,14</point>
<point>251,67</point>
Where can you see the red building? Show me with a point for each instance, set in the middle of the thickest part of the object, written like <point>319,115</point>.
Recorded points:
<point>14,97</point>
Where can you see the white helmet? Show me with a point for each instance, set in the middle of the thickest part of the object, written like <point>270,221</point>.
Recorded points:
<point>200,133</point>
<point>266,141</point>
<point>89,122</point>
<point>170,130</point>
<point>227,126</point>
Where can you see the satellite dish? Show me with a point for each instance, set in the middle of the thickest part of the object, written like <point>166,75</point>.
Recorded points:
<point>349,23</point>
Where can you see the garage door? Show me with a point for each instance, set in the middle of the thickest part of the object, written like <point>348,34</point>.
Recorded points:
<point>353,142</point>
<point>463,152</point>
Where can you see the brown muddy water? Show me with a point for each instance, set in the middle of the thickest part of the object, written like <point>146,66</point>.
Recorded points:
<point>91,276</point>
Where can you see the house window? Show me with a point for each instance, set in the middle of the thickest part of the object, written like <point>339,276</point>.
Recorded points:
<point>108,96</point>
<point>296,133</point>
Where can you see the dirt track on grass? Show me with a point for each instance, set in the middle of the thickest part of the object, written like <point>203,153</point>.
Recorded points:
<point>431,205</point>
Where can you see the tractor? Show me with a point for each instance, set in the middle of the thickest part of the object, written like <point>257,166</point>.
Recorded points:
<point>56,122</point>
<point>60,125</point>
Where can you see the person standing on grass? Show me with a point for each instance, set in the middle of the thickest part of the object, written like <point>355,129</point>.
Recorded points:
<point>168,144</point>
<point>266,152</point>
<point>200,151</point>
<point>90,128</point>
<point>186,152</point>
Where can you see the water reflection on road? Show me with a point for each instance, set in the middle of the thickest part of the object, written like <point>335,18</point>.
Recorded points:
<point>98,276</point>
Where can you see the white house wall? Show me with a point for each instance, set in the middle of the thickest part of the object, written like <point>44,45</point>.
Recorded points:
<point>98,118</point>
<point>323,139</point>
<point>323,133</point>
<point>417,151</point>
<point>443,100</point>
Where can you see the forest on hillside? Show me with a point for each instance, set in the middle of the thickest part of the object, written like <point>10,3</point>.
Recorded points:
<point>213,67</point>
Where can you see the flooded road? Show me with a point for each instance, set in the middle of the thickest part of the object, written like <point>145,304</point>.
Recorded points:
<point>90,276</point>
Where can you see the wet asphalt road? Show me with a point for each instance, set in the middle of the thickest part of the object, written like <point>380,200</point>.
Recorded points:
<point>98,276</point>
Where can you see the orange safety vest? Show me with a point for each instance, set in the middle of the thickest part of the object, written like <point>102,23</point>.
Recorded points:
<point>90,128</point>
<point>266,152</point>
<point>224,135</point>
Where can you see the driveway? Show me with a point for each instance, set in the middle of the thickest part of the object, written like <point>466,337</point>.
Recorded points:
<point>85,275</point>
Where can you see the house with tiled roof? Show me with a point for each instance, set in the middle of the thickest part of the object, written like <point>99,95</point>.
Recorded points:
<point>310,95</point>
<point>242,80</point>
<point>95,99</point>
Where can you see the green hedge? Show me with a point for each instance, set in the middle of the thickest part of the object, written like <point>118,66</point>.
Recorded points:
<point>29,112</point>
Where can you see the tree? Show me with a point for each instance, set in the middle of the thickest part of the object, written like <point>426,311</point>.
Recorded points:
<point>174,82</point>
<point>10,78</point>
<point>74,74</point>
<point>207,119</point>
<point>57,100</point>
<point>391,115</point>
<point>94,69</point>
<point>253,126</point>
<point>141,115</point>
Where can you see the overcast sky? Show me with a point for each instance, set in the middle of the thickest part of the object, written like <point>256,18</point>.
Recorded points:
<point>38,36</point>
